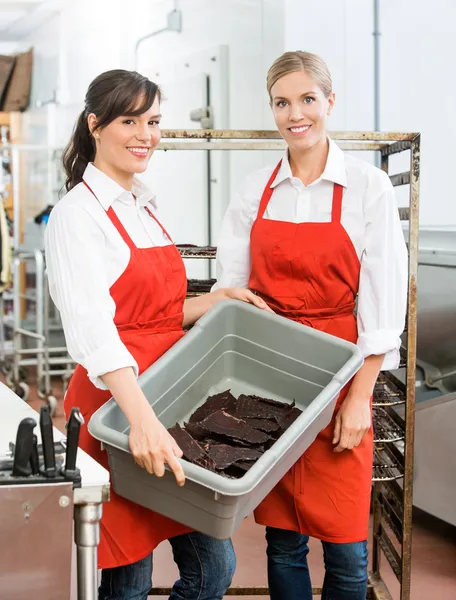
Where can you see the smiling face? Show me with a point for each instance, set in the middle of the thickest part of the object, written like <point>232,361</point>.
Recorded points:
<point>125,145</point>
<point>300,110</point>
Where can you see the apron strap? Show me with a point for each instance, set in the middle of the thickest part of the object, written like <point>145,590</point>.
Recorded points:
<point>115,221</point>
<point>158,223</point>
<point>267,193</point>
<point>336,214</point>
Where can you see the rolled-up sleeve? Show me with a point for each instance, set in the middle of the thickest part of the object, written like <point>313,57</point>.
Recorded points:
<point>382,299</point>
<point>78,285</point>
<point>233,248</point>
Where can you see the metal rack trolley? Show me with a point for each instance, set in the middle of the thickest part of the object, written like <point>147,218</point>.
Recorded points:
<point>393,434</point>
<point>32,345</point>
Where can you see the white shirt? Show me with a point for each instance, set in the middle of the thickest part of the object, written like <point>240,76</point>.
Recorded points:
<point>370,217</point>
<point>85,255</point>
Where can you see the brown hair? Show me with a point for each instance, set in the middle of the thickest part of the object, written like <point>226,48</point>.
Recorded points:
<point>290,62</point>
<point>110,95</point>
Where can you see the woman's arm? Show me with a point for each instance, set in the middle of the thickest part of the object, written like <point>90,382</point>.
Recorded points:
<point>382,303</point>
<point>150,443</point>
<point>78,285</point>
<point>354,418</point>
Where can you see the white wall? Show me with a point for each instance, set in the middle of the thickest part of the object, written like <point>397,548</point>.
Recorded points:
<point>418,93</point>
<point>417,86</point>
<point>340,31</point>
<point>94,35</point>
<point>91,36</point>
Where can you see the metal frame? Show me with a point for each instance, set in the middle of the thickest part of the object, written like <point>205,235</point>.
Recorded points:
<point>394,436</point>
<point>49,360</point>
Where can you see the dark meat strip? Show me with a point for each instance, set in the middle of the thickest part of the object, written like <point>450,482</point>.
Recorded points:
<point>196,431</point>
<point>252,408</point>
<point>276,403</point>
<point>222,423</point>
<point>223,401</point>
<point>214,439</point>
<point>286,420</point>
<point>191,449</point>
<point>244,465</point>
<point>266,425</point>
<point>224,456</point>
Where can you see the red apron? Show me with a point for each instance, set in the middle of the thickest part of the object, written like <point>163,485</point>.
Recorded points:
<point>149,298</point>
<point>309,272</point>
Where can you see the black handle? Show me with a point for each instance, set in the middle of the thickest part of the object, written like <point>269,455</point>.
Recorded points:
<point>47,439</point>
<point>71,472</point>
<point>23,448</point>
<point>34,460</point>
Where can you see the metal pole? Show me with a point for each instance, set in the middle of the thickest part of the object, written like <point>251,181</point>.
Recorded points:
<point>411,368</point>
<point>87,537</point>
<point>15,170</point>
<point>376,35</point>
<point>39,308</point>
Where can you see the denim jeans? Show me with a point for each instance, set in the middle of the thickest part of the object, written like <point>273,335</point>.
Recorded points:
<point>288,573</point>
<point>206,567</point>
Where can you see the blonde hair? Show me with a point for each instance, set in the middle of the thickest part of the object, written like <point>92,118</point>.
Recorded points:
<point>290,62</point>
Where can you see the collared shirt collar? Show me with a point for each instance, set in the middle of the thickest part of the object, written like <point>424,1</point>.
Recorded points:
<point>108,191</point>
<point>334,170</point>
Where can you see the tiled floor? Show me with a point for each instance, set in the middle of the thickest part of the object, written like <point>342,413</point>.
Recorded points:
<point>433,562</point>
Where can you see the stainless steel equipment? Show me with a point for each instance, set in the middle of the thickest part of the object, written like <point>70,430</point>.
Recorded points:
<point>435,442</point>
<point>436,347</point>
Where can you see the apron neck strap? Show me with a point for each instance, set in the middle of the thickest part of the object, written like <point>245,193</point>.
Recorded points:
<point>267,193</point>
<point>115,221</point>
<point>336,214</point>
<point>151,214</point>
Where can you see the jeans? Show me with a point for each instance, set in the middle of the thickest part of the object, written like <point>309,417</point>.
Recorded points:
<point>288,573</point>
<point>206,567</point>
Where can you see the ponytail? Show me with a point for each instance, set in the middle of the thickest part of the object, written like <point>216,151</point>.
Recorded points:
<point>79,152</point>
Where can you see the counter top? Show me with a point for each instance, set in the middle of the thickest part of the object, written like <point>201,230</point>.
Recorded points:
<point>95,478</point>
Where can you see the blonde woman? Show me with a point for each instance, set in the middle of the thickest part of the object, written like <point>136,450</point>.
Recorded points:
<point>312,236</point>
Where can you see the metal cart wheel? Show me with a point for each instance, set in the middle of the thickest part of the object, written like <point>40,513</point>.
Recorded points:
<point>52,401</point>
<point>22,389</point>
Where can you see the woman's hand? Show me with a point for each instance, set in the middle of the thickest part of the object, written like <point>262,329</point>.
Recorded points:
<point>353,421</point>
<point>354,418</point>
<point>195,308</point>
<point>152,446</point>
<point>244,295</point>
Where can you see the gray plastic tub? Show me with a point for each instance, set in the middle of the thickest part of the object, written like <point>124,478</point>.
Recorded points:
<point>250,351</point>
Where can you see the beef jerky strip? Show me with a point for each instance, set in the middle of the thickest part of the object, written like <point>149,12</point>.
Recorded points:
<point>222,423</point>
<point>192,451</point>
<point>286,420</point>
<point>224,456</point>
<point>216,440</point>
<point>276,403</point>
<point>251,408</point>
<point>266,425</point>
<point>244,465</point>
<point>223,401</point>
<point>196,431</point>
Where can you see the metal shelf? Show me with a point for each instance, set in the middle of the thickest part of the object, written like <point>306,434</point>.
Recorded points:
<point>196,287</point>
<point>386,393</point>
<point>393,452</point>
<point>392,513</point>
<point>386,468</point>
<point>386,430</point>
<point>197,251</point>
